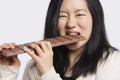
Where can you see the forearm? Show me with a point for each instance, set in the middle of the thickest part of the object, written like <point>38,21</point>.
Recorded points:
<point>51,75</point>
<point>31,73</point>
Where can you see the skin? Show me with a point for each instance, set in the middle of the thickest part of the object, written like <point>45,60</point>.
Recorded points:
<point>12,61</point>
<point>74,17</point>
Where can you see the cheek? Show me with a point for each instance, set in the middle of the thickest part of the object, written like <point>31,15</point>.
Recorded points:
<point>86,26</point>
<point>61,26</point>
<point>62,22</point>
<point>85,23</point>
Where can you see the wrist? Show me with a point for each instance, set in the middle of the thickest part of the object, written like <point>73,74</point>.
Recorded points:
<point>42,71</point>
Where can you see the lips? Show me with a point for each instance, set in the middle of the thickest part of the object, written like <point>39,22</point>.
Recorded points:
<point>72,33</point>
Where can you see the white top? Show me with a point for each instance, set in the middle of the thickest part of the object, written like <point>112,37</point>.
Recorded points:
<point>107,70</point>
<point>8,72</point>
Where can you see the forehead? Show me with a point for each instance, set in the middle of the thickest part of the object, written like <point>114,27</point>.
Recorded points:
<point>73,4</point>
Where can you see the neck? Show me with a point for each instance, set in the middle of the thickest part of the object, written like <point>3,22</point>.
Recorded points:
<point>74,56</point>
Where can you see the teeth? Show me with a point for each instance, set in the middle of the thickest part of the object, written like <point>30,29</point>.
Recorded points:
<point>74,33</point>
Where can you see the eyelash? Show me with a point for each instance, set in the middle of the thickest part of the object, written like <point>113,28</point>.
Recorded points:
<point>63,16</point>
<point>80,15</point>
<point>76,15</point>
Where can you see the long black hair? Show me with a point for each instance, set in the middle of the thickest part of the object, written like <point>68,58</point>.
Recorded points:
<point>94,49</point>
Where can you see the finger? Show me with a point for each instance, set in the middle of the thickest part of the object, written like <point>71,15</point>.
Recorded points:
<point>43,46</point>
<point>37,49</point>
<point>49,46</point>
<point>46,46</point>
<point>31,53</point>
<point>5,46</point>
<point>12,45</point>
<point>8,45</point>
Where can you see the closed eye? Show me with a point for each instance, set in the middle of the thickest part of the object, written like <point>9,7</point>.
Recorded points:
<point>62,16</point>
<point>80,15</point>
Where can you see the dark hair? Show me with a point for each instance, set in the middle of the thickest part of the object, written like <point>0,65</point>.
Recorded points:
<point>51,29</point>
<point>94,48</point>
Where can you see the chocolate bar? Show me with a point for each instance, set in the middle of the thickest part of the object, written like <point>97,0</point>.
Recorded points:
<point>57,41</point>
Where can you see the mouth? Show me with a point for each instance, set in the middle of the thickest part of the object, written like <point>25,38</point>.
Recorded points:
<point>75,33</point>
<point>72,33</point>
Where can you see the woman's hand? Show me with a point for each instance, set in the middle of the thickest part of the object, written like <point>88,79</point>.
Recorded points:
<point>11,61</point>
<point>42,54</point>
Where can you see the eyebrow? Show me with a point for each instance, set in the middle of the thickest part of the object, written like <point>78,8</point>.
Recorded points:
<point>75,10</point>
<point>63,11</point>
<point>81,10</point>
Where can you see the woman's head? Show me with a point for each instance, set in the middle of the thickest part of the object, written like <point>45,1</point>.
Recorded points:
<point>96,40</point>
<point>73,17</point>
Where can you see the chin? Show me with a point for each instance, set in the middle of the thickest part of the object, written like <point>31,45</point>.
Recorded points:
<point>75,46</point>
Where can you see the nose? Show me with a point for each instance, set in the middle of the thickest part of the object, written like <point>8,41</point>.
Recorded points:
<point>71,23</point>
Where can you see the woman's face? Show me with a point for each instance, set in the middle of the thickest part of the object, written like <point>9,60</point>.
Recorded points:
<point>75,18</point>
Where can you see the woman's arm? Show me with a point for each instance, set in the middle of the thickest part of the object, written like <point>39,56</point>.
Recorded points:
<point>9,72</point>
<point>9,66</point>
<point>32,73</point>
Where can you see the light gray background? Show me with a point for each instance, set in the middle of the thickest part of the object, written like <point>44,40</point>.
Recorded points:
<point>22,21</point>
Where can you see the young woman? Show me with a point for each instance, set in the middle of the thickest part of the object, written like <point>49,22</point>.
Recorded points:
<point>91,59</point>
